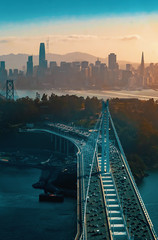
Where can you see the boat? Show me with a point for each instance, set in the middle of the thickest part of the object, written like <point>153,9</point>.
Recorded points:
<point>49,197</point>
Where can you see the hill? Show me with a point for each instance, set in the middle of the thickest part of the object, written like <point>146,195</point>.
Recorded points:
<point>19,60</point>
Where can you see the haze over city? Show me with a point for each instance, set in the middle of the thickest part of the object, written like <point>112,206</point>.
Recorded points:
<point>124,28</point>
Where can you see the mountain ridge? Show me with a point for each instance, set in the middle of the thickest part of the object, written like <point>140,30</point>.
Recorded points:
<point>19,60</point>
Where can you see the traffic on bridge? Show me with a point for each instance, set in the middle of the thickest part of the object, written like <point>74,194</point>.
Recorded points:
<point>109,205</point>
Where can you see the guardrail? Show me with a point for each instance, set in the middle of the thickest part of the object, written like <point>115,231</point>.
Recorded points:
<point>133,182</point>
<point>93,141</point>
<point>79,205</point>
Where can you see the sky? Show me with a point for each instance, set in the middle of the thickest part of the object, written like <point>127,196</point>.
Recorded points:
<point>95,27</point>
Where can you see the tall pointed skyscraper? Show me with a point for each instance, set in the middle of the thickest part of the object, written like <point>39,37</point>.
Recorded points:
<point>142,65</point>
<point>141,82</point>
<point>42,57</point>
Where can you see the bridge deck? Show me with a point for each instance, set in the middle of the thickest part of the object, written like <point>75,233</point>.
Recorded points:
<point>113,205</point>
<point>132,209</point>
<point>116,221</point>
<point>97,215</point>
<point>97,225</point>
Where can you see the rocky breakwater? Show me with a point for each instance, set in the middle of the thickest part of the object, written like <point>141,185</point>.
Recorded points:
<point>58,178</point>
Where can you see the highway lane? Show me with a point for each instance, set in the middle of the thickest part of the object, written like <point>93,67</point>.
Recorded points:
<point>132,209</point>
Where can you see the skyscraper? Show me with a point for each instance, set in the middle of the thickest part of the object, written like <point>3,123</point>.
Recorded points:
<point>30,66</point>
<point>112,64</point>
<point>141,82</point>
<point>10,72</point>
<point>42,57</point>
<point>142,65</point>
<point>2,65</point>
<point>84,64</point>
<point>128,67</point>
<point>3,72</point>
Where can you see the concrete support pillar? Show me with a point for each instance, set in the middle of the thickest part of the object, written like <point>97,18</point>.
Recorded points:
<point>67,148</point>
<point>64,145</point>
<point>60,144</point>
<point>55,142</point>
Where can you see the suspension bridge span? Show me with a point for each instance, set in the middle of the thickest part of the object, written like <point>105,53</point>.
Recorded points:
<point>109,205</point>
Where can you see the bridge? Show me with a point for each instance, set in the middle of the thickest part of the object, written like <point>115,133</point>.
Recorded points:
<point>109,205</point>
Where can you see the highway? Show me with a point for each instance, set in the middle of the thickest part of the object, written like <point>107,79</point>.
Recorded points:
<point>132,209</point>
<point>109,205</point>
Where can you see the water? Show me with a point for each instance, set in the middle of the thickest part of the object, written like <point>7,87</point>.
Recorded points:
<point>143,94</point>
<point>22,216</point>
<point>149,192</point>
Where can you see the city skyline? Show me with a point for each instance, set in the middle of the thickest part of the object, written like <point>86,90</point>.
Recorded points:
<point>81,74</point>
<point>122,27</point>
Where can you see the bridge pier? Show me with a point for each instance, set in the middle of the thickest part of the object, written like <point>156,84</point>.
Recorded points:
<point>62,145</point>
<point>55,142</point>
<point>67,148</point>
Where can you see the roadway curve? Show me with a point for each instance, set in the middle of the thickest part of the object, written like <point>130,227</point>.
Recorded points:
<point>80,180</point>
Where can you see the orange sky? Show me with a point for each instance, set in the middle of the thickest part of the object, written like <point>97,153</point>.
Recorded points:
<point>127,36</point>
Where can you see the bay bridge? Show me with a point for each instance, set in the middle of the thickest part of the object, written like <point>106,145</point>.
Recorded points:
<point>109,205</point>
<point>8,90</point>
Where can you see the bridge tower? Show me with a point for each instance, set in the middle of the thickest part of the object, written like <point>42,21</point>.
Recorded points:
<point>10,89</point>
<point>105,125</point>
<point>103,136</point>
<point>107,137</point>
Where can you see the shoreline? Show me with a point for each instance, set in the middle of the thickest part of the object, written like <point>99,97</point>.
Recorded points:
<point>143,94</point>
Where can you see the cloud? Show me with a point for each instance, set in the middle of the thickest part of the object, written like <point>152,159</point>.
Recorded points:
<point>82,37</point>
<point>73,37</point>
<point>7,40</point>
<point>4,41</point>
<point>122,38</point>
<point>130,37</point>
<point>67,38</point>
